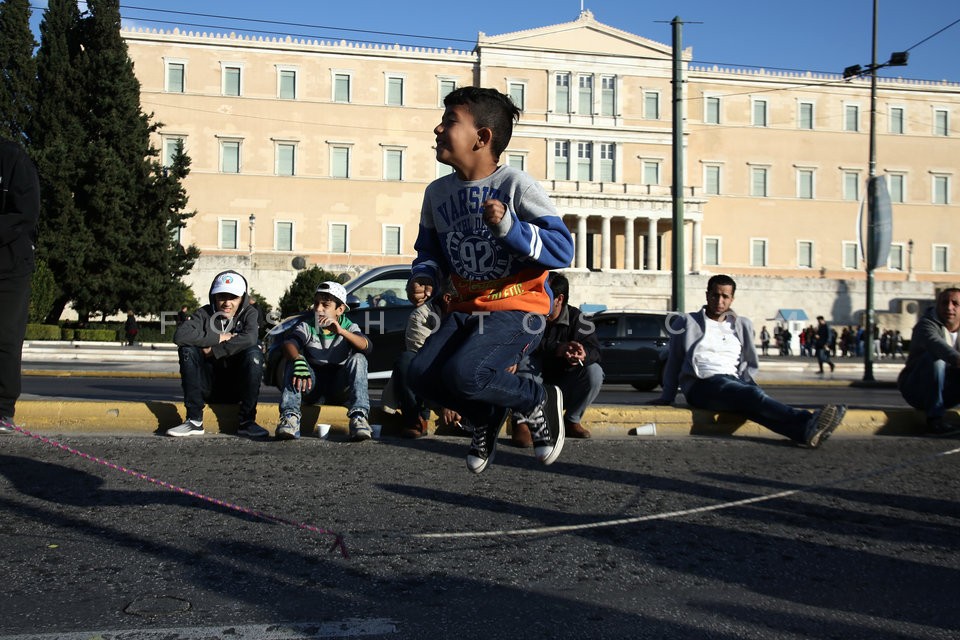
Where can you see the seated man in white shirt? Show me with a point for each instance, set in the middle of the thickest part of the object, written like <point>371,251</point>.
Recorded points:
<point>713,360</point>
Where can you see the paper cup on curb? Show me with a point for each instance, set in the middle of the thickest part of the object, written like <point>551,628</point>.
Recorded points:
<point>649,429</point>
<point>376,430</point>
<point>323,430</point>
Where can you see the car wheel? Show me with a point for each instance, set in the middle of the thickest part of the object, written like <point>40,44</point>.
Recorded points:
<point>645,386</point>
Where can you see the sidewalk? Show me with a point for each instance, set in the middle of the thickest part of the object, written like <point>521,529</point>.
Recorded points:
<point>112,359</point>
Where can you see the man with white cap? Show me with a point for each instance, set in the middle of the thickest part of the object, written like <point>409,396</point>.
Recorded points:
<point>220,360</point>
<point>325,359</point>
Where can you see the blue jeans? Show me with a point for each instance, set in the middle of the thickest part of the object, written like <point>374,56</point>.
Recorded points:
<point>343,384</point>
<point>930,386</point>
<point>462,366</point>
<point>235,378</point>
<point>411,406</point>
<point>730,394</point>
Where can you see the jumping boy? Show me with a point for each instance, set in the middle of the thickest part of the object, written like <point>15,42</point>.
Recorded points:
<point>493,230</point>
<point>325,357</point>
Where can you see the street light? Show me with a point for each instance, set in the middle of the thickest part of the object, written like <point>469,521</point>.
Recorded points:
<point>897,59</point>
<point>253,222</point>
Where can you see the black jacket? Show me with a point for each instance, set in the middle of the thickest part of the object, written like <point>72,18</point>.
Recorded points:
<point>19,210</point>
<point>570,325</point>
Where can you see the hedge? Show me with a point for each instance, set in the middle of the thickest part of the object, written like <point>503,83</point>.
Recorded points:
<point>42,332</point>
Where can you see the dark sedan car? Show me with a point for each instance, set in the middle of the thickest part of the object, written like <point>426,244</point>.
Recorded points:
<point>633,346</point>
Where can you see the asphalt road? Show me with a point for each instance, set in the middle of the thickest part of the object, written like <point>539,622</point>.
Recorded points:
<point>666,538</point>
<point>144,389</point>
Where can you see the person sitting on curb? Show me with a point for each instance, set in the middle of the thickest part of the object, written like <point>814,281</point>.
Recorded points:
<point>219,357</point>
<point>568,356</point>
<point>325,358</point>
<point>712,358</point>
<point>930,380</point>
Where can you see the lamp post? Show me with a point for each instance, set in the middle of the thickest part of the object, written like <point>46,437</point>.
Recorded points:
<point>897,59</point>
<point>253,223</point>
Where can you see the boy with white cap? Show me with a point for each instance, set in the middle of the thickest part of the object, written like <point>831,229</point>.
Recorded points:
<point>325,357</point>
<point>220,360</point>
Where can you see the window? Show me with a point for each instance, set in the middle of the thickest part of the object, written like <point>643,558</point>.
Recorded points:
<point>338,238</point>
<point>170,145</point>
<point>940,258</point>
<point>608,162</point>
<point>805,184</point>
<point>340,161</point>
<point>283,236</point>
<point>517,161</point>
<point>895,185</point>
<point>446,85</point>
<point>563,92</point>
<point>758,253</point>
<point>286,159</point>
<point>393,164</point>
<point>711,251</point>
<point>651,172</point>
<point>584,161</point>
<point>175,77</point>
<point>759,113</point>
<point>851,118</point>
<point>712,108</point>
<point>895,260</point>
<point>229,234</point>
<point>231,81</point>
<point>561,160</point>
<point>517,91</point>
<point>804,254</point>
<point>941,189</point>
<point>711,179</point>
<point>758,182</point>
<point>608,95</point>
<point>391,240</point>
<point>230,156</point>
<point>896,120</point>
<point>585,95</point>
<point>851,185</point>
<point>395,91</point>
<point>341,87</point>
<point>287,80</point>
<point>651,105</point>
<point>941,122</point>
<point>805,115</point>
<point>851,255</point>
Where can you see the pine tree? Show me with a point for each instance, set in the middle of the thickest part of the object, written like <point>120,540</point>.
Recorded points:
<point>17,70</point>
<point>56,142</point>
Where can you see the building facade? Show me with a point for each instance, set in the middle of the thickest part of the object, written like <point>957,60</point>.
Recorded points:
<point>311,152</point>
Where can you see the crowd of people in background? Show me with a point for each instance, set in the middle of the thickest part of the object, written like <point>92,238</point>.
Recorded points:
<point>850,342</point>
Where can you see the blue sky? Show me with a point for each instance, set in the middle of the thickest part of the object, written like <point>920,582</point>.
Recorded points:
<point>816,35</point>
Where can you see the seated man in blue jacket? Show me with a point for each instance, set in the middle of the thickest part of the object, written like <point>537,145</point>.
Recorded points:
<point>220,360</point>
<point>930,381</point>
<point>713,360</point>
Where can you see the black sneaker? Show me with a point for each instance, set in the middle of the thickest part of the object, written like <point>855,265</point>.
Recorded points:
<point>546,425</point>
<point>484,443</point>
<point>823,423</point>
<point>939,427</point>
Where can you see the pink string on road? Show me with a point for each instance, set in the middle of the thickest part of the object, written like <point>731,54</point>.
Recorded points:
<point>338,542</point>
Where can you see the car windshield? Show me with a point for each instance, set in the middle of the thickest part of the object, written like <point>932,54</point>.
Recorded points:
<point>383,293</point>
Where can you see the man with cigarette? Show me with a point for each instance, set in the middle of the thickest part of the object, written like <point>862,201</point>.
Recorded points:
<point>568,356</point>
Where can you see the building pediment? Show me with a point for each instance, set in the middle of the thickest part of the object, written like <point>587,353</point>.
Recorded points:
<point>583,35</point>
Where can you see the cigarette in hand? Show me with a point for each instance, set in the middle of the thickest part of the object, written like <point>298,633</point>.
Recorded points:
<point>580,362</point>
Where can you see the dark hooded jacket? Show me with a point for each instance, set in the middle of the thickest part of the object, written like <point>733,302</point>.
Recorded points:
<point>19,211</point>
<point>204,327</point>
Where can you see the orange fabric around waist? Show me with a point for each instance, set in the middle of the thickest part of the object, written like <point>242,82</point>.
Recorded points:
<point>524,291</point>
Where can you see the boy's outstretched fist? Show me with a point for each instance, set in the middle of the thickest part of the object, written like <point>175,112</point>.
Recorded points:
<point>493,212</point>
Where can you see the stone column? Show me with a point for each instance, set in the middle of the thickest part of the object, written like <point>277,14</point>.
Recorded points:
<point>629,257</point>
<point>651,256</point>
<point>581,260</point>
<point>605,243</point>
<point>695,248</point>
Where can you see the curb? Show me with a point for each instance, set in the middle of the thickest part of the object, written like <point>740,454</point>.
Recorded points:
<point>604,421</point>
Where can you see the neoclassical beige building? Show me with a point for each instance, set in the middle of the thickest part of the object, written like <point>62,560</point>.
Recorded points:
<point>311,152</point>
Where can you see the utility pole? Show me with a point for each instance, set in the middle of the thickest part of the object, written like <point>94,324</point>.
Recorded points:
<point>677,249</point>
<point>871,173</point>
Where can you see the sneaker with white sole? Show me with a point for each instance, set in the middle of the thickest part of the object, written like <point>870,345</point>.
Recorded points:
<point>359,428</point>
<point>484,443</point>
<point>252,430</point>
<point>823,423</point>
<point>546,425</point>
<point>7,427</point>
<point>188,428</point>
<point>289,427</point>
